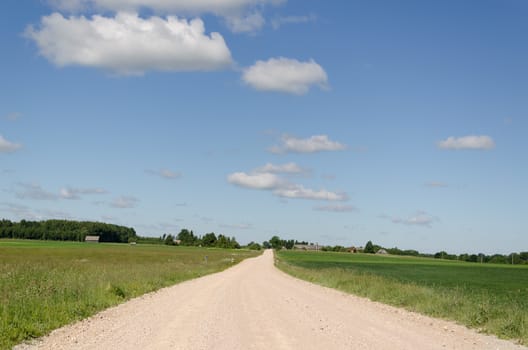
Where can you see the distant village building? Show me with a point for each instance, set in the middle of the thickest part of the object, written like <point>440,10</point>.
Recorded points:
<point>352,250</point>
<point>382,251</point>
<point>91,239</point>
<point>312,247</point>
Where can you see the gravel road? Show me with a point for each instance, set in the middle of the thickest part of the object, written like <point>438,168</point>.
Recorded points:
<point>255,306</point>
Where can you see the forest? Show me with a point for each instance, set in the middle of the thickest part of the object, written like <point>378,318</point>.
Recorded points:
<point>66,230</point>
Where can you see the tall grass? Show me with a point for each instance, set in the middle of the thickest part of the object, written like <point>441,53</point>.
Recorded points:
<point>490,298</point>
<point>45,285</point>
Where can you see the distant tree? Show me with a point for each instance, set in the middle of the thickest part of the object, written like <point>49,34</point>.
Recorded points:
<point>498,259</point>
<point>65,230</point>
<point>169,240</point>
<point>226,242</point>
<point>253,246</point>
<point>233,244</point>
<point>276,242</point>
<point>369,248</point>
<point>187,238</point>
<point>289,244</point>
<point>209,240</point>
<point>514,259</point>
<point>440,255</point>
<point>266,245</point>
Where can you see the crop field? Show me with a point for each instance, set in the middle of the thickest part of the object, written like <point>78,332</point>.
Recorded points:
<point>45,285</point>
<point>490,298</point>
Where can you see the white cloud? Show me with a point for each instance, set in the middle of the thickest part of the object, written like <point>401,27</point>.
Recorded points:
<point>34,191</point>
<point>166,174</point>
<point>312,144</point>
<point>288,168</point>
<point>262,181</point>
<point>246,23</point>
<point>124,202</point>
<point>467,142</point>
<point>337,208</point>
<point>8,146</point>
<point>277,22</point>
<point>299,191</point>
<point>75,193</point>
<point>266,178</point>
<point>129,45</point>
<point>285,75</point>
<point>165,6</point>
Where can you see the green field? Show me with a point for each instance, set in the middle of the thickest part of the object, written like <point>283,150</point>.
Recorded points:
<point>491,298</point>
<point>44,285</point>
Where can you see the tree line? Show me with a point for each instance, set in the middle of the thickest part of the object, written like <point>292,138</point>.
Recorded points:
<point>513,258</point>
<point>66,230</point>
<point>189,239</point>
<point>276,242</point>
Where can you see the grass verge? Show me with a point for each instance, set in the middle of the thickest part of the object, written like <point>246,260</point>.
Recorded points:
<point>490,298</point>
<point>45,285</point>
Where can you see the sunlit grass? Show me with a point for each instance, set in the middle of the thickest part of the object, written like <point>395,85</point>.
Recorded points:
<point>491,298</point>
<point>44,285</point>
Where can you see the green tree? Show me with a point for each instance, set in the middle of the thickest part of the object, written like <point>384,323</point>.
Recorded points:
<point>187,238</point>
<point>276,242</point>
<point>253,246</point>
<point>209,240</point>
<point>369,248</point>
<point>169,240</point>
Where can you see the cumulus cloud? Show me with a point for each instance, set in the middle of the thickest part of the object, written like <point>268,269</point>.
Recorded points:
<point>285,75</point>
<point>165,174</point>
<point>260,181</point>
<point>130,45</point>
<point>266,178</point>
<point>467,142</point>
<point>288,168</point>
<point>336,208</point>
<point>7,146</point>
<point>221,7</point>
<point>312,144</point>
<point>277,22</point>
<point>124,202</point>
<point>299,191</point>
<point>75,193</point>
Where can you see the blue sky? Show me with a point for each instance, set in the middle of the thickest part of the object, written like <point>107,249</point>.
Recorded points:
<point>402,122</point>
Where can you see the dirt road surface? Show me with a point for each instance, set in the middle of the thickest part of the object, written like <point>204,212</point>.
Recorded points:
<point>255,306</point>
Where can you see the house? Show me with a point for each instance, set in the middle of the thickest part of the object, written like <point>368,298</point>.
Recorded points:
<point>306,246</point>
<point>382,251</point>
<point>91,239</point>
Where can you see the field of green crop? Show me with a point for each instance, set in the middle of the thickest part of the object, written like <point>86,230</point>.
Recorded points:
<point>491,298</point>
<point>44,285</point>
